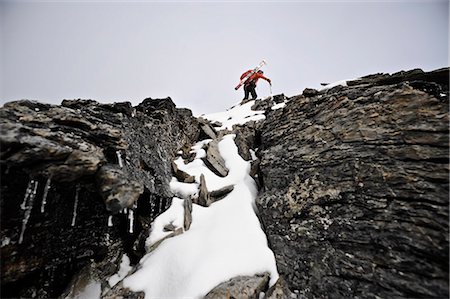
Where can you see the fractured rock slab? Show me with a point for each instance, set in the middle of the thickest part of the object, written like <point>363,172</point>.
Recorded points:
<point>214,160</point>
<point>181,175</point>
<point>203,198</point>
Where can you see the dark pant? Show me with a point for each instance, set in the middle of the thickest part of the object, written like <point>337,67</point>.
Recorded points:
<point>250,88</point>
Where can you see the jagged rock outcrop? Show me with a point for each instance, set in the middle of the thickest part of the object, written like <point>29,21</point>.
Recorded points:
<point>355,201</point>
<point>81,162</point>
<point>353,189</point>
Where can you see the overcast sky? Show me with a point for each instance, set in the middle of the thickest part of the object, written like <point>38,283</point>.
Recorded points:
<point>195,52</point>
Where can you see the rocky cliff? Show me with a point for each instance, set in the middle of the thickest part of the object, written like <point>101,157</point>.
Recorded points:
<point>353,188</point>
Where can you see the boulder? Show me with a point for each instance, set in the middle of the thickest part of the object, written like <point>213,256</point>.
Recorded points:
<point>240,287</point>
<point>203,198</point>
<point>214,160</point>
<point>217,195</point>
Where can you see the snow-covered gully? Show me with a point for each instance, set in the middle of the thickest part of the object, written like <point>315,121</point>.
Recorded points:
<point>224,240</point>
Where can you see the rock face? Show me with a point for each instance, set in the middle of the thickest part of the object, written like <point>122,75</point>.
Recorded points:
<point>355,200</point>
<point>353,189</point>
<point>66,170</point>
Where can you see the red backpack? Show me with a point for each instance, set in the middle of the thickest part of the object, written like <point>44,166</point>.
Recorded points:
<point>245,74</point>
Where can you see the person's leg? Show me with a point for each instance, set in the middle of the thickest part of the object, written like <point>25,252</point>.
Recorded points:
<point>246,91</point>
<point>253,91</point>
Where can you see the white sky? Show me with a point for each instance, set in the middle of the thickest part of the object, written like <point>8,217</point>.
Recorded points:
<point>195,52</point>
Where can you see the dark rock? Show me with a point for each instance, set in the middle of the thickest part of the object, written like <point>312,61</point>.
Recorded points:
<point>240,287</point>
<point>214,160</point>
<point>217,195</point>
<point>279,290</point>
<point>263,104</point>
<point>181,175</point>
<point>203,198</point>
<point>187,213</point>
<point>309,92</point>
<point>116,189</point>
<point>169,227</point>
<point>89,151</point>
<point>206,130</point>
<point>356,189</point>
<point>246,139</point>
<point>149,105</point>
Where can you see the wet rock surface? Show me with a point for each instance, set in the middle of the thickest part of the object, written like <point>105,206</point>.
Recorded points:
<point>108,171</point>
<point>355,200</point>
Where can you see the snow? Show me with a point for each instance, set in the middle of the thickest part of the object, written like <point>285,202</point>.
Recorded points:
<point>183,190</point>
<point>124,268</point>
<point>225,239</point>
<point>92,290</point>
<point>238,115</point>
<point>331,85</point>
<point>278,106</point>
<point>174,215</point>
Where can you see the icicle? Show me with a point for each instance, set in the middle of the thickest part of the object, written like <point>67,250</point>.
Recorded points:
<point>110,223</point>
<point>7,169</point>
<point>160,206</point>
<point>44,196</point>
<point>119,158</point>
<point>131,220</point>
<point>23,206</point>
<point>30,195</point>
<point>75,205</point>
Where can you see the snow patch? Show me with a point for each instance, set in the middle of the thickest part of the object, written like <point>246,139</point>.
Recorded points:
<point>124,268</point>
<point>237,115</point>
<point>174,215</point>
<point>337,83</point>
<point>183,190</point>
<point>278,106</point>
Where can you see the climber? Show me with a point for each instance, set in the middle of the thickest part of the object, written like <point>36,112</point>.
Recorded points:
<point>250,84</point>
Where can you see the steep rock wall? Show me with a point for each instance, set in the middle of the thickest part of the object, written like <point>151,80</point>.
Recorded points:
<point>355,200</point>
<point>81,163</point>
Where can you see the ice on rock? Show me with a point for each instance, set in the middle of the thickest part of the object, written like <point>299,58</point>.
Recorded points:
<point>75,205</point>
<point>119,158</point>
<point>27,205</point>
<point>44,196</point>
<point>130,221</point>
